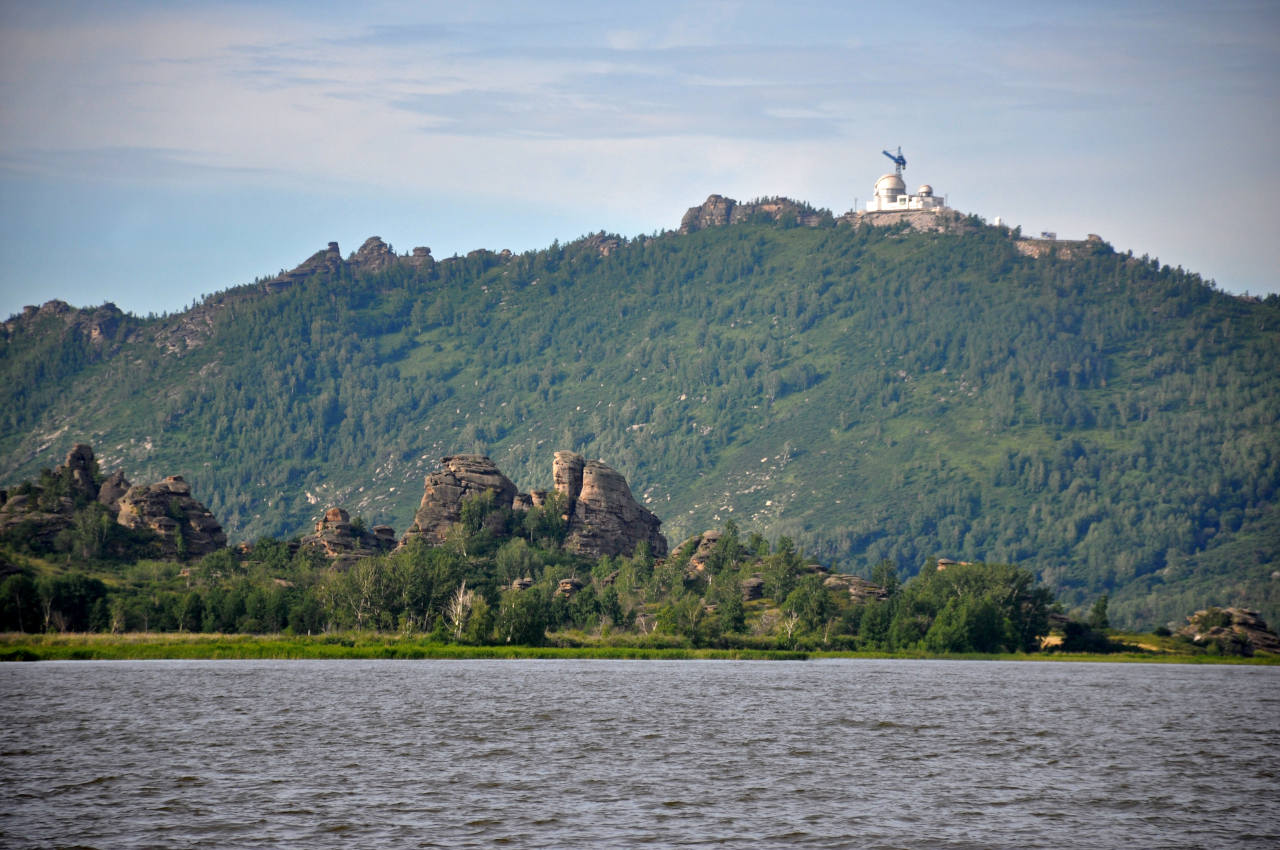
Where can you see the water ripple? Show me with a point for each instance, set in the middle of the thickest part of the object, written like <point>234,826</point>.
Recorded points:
<point>626,754</point>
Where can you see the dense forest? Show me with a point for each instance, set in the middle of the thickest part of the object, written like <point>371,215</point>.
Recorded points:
<point>874,394</point>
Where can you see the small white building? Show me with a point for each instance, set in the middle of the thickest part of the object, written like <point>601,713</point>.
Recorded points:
<point>891,196</point>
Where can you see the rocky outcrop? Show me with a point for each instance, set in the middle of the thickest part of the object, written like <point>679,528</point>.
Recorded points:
<point>100,325</point>
<point>859,589</point>
<point>567,587</point>
<point>702,553</point>
<point>80,472</point>
<point>182,527</point>
<point>374,256</point>
<point>1239,630</point>
<point>462,476</point>
<point>604,518</point>
<point>940,220</point>
<point>421,258</point>
<point>601,516</point>
<point>38,513</point>
<point>713,212</point>
<point>338,539</point>
<point>113,487</point>
<point>718,211</point>
<point>185,527</point>
<point>329,261</point>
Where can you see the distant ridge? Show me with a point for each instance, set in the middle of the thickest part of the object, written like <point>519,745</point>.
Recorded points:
<point>872,392</point>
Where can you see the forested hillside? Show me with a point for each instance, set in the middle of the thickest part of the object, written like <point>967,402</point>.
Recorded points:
<point>872,393</point>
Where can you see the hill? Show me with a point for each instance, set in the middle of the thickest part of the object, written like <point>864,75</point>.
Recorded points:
<point>873,393</point>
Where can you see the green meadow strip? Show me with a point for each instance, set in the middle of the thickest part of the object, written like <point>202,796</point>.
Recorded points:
<point>154,646</point>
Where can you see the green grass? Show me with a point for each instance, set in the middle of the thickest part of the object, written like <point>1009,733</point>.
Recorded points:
<point>364,645</point>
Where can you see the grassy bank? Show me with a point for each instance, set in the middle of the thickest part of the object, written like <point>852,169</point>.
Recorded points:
<point>104,647</point>
<point>143,646</point>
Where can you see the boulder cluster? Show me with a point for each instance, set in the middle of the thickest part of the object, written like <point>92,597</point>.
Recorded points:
<point>1233,628</point>
<point>180,525</point>
<point>600,514</point>
<point>339,539</point>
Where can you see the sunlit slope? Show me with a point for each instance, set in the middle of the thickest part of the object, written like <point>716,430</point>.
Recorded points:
<point>872,393</point>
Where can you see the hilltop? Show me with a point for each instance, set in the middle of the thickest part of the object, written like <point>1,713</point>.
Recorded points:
<point>871,392</point>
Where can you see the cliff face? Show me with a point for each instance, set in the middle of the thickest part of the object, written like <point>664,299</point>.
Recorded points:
<point>604,518</point>
<point>463,476</point>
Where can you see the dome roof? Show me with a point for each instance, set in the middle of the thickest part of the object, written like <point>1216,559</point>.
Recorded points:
<point>926,190</point>
<point>890,185</point>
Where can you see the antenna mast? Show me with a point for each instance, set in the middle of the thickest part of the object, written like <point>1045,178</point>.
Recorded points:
<point>899,161</point>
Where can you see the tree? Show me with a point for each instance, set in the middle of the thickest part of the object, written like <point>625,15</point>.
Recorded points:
<point>885,574</point>
<point>20,604</point>
<point>522,618</point>
<point>1098,615</point>
<point>458,610</point>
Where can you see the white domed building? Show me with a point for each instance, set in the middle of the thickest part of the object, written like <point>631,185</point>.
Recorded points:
<point>891,196</point>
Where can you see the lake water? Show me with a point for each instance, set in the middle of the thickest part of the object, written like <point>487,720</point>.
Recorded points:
<point>636,753</point>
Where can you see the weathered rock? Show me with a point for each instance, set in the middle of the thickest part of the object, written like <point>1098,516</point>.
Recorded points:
<point>566,472</point>
<point>113,487</point>
<point>601,516</point>
<point>38,517</point>
<point>603,242</point>
<point>717,211</point>
<point>604,518</point>
<point>461,477</point>
<point>752,588</point>
<point>569,586</point>
<point>421,258</point>
<point>374,255</point>
<point>713,212</point>
<point>183,525</point>
<point>706,545</point>
<point>1242,627</point>
<point>337,539</point>
<point>79,468</point>
<point>859,589</point>
<point>328,261</point>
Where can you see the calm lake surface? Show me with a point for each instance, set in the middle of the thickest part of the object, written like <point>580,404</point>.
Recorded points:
<point>845,753</point>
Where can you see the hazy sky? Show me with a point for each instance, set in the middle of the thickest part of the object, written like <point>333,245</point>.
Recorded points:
<point>152,152</point>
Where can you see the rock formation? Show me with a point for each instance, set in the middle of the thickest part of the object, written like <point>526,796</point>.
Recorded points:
<point>859,589</point>
<point>717,211</point>
<point>752,588</point>
<point>328,261</point>
<point>337,539</point>
<point>1233,629</point>
<point>113,487</point>
<point>461,477</point>
<point>40,512</point>
<point>185,527</point>
<point>604,518</point>
<point>374,255</point>
<point>601,516</point>
<point>707,541</point>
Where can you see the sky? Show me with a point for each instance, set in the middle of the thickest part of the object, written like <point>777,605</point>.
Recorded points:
<point>155,152</point>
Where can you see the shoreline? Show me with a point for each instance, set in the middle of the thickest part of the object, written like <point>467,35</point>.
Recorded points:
<point>142,646</point>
